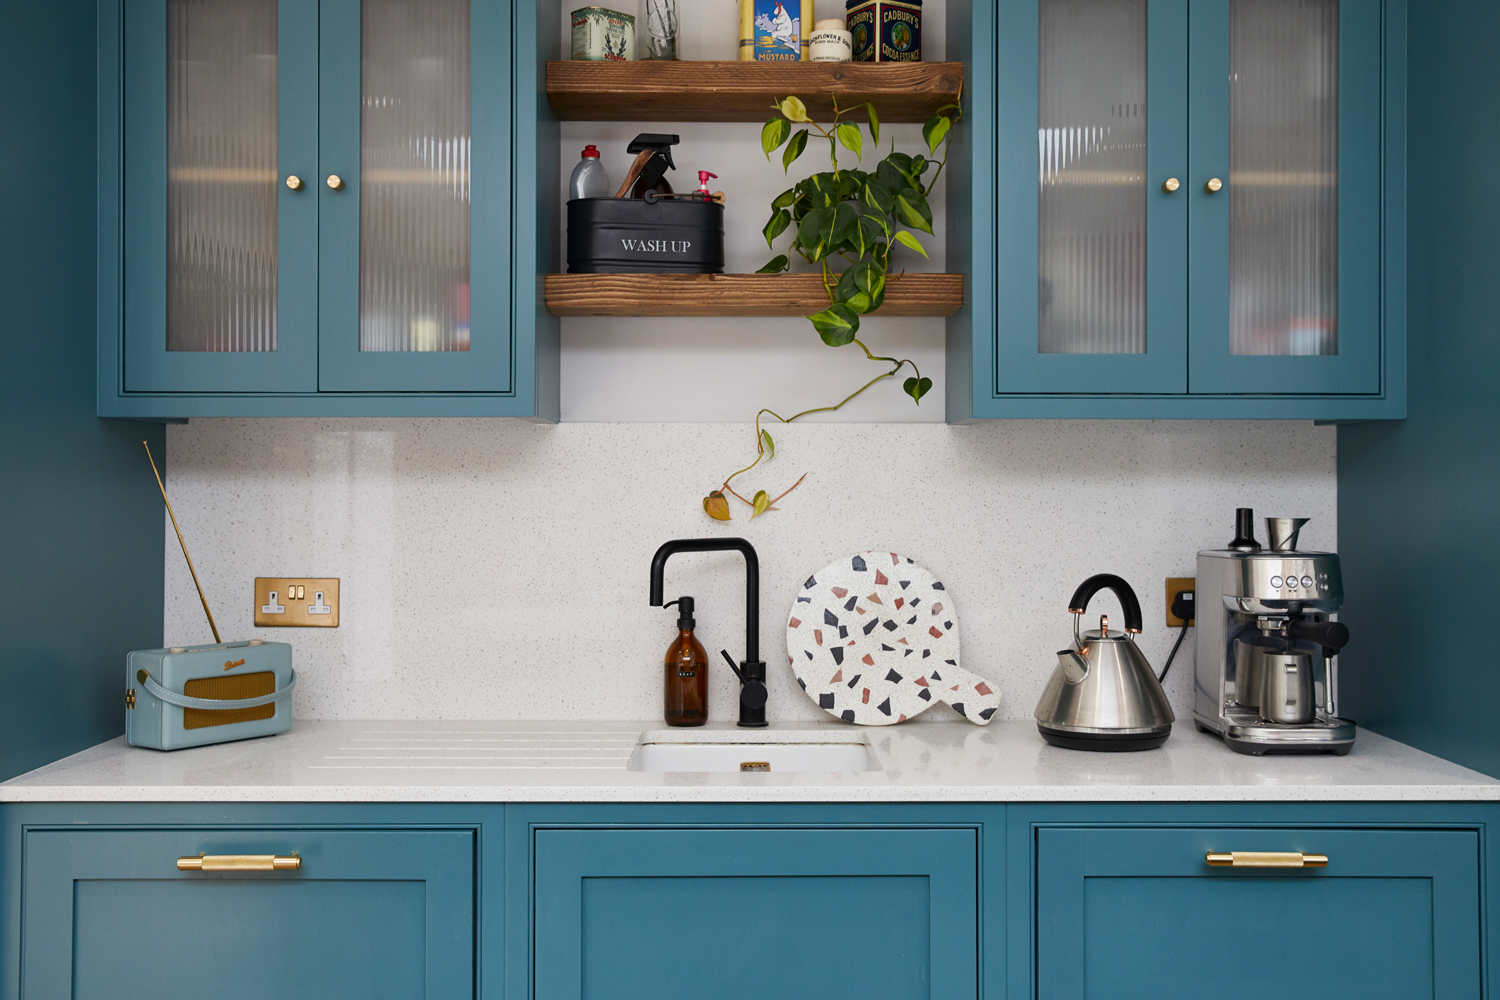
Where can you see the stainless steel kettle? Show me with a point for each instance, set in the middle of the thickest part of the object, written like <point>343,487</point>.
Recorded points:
<point>1104,695</point>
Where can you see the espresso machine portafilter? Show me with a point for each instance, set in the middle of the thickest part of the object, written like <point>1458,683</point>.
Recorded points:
<point>1266,678</point>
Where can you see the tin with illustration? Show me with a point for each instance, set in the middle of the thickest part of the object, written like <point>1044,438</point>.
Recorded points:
<point>775,30</point>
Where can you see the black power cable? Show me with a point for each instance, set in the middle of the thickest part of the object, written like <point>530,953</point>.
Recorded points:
<point>1183,607</point>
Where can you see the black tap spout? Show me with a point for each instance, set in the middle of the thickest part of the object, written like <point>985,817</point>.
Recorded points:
<point>752,670</point>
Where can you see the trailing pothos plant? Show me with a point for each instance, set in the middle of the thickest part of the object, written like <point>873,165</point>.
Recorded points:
<point>848,221</point>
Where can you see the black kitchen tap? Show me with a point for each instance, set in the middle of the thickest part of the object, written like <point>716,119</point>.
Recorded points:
<point>752,669</point>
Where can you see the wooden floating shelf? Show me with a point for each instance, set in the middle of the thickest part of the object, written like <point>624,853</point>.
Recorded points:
<point>744,91</point>
<point>737,295</point>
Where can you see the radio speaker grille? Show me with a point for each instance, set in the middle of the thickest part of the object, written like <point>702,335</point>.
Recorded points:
<point>228,688</point>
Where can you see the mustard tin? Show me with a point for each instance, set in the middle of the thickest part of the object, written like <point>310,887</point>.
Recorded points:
<point>775,30</point>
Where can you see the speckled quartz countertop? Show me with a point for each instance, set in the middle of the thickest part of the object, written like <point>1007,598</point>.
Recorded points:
<point>587,762</point>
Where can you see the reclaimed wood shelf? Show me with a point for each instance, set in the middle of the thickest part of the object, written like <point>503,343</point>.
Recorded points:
<point>744,91</point>
<point>737,294</point>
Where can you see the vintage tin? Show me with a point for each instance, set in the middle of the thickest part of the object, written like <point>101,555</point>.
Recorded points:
<point>886,30</point>
<point>601,34</point>
<point>191,695</point>
<point>770,33</point>
<point>632,236</point>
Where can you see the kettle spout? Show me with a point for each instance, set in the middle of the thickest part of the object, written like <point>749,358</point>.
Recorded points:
<point>1074,666</point>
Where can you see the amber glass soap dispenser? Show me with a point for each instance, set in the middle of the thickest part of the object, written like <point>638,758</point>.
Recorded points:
<point>686,693</point>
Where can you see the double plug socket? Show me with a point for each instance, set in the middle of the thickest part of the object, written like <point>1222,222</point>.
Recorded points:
<point>296,602</point>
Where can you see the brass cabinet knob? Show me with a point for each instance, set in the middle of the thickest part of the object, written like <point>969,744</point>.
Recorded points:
<point>1170,184</point>
<point>294,182</point>
<point>1213,185</point>
<point>336,182</point>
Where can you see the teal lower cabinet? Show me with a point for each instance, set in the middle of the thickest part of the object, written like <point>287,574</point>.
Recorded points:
<point>661,914</point>
<point>1132,909</point>
<point>374,909</point>
<point>667,901</point>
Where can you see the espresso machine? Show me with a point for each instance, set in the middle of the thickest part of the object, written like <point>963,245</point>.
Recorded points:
<point>1267,663</point>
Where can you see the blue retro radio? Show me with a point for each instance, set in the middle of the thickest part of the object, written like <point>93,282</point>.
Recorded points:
<point>187,696</point>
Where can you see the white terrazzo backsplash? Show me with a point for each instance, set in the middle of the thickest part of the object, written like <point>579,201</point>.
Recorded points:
<point>497,569</point>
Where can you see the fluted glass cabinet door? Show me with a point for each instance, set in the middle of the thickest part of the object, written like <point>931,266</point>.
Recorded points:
<point>1286,283</point>
<point>220,263</point>
<point>1092,276</point>
<point>415,194</point>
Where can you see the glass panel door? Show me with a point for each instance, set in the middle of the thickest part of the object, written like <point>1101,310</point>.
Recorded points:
<point>1091,137</point>
<point>1285,253</point>
<point>414,155</point>
<point>220,261</point>
<point>402,133</point>
<point>221,175</point>
<point>1283,177</point>
<point>1091,272</point>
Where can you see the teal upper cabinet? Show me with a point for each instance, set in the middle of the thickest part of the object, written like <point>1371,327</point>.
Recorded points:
<point>1198,212</point>
<point>305,209</point>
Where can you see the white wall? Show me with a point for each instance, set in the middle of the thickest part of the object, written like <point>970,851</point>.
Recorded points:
<point>498,569</point>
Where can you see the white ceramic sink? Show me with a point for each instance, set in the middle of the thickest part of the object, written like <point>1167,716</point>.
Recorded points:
<point>851,754</point>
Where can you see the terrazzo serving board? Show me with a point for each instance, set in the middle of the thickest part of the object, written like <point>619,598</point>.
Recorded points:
<point>873,640</point>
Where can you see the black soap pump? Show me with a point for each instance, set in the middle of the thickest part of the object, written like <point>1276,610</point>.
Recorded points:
<point>685,694</point>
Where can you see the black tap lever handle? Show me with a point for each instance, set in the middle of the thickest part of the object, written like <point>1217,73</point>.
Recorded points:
<point>1100,581</point>
<point>730,660</point>
<point>1331,635</point>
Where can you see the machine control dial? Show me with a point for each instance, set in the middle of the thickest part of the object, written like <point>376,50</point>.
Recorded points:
<point>1276,582</point>
<point>1307,582</point>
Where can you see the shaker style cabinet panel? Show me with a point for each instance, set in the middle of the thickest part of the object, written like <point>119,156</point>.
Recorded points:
<point>305,209</point>
<point>106,913</point>
<point>1130,912</point>
<point>1198,212</point>
<point>747,913</point>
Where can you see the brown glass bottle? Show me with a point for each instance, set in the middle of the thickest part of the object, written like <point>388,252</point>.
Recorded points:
<point>685,696</point>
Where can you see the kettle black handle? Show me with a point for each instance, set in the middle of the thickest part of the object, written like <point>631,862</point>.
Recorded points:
<point>1101,581</point>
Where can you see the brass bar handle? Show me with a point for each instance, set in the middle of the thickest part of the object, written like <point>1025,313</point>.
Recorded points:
<point>240,863</point>
<point>1265,859</point>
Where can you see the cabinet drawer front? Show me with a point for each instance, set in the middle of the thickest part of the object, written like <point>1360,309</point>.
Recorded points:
<point>1123,912</point>
<point>369,914</point>
<point>668,914</point>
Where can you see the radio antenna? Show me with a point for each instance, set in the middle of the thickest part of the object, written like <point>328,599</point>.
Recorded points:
<point>161,486</point>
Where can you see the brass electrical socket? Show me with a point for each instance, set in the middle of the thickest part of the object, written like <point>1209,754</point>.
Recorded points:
<point>296,602</point>
<point>1175,586</point>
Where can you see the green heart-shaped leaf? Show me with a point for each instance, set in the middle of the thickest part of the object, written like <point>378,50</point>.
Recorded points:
<point>874,123</point>
<point>785,199</point>
<point>777,225</point>
<point>776,266</point>
<point>934,130</point>
<point>837,324</point>
<point>912,208</point>
<point>773,134</point>
<point>770,446</point>
<point>759,502</point>
<point>917,388</point>
<point>851,140</point>
<point>793,150</point>
<point>907,239</point>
